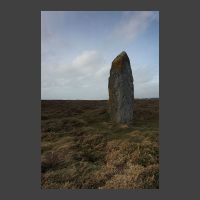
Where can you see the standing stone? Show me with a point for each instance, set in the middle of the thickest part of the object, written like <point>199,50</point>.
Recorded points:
<point>121,90</point>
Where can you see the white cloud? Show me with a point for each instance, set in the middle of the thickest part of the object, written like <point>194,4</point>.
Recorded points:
<point>69,70</point>
<point>144,74</point>
<point>146,81</point>
<point>88,62</point>
<point>86,70</point>
<point>133,24</point>
<point>103,71</point>
<point>88,74</point>
<point>86,58</point>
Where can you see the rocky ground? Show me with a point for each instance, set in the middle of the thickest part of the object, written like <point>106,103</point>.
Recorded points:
<point>80,148</point>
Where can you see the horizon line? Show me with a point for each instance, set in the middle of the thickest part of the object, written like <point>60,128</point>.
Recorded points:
<point>95,99</point>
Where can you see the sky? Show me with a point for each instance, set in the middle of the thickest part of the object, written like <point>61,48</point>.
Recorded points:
<point>78,47</point>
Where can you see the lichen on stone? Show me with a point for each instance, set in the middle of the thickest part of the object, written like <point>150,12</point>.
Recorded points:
<point>119,60</point>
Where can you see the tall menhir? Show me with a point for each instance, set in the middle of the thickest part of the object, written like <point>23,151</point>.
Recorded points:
<point>121,90</point>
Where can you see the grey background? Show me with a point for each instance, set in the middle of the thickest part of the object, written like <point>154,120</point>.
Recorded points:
<point>20,99</point>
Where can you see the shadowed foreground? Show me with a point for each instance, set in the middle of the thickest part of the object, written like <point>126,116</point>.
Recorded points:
<point>81,149</point>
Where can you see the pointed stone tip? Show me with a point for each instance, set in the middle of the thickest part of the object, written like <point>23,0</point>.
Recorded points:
<point>123,53</point>
<point>119,60</point>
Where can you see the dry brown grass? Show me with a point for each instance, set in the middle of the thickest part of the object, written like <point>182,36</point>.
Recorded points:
<point>81,148</point>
